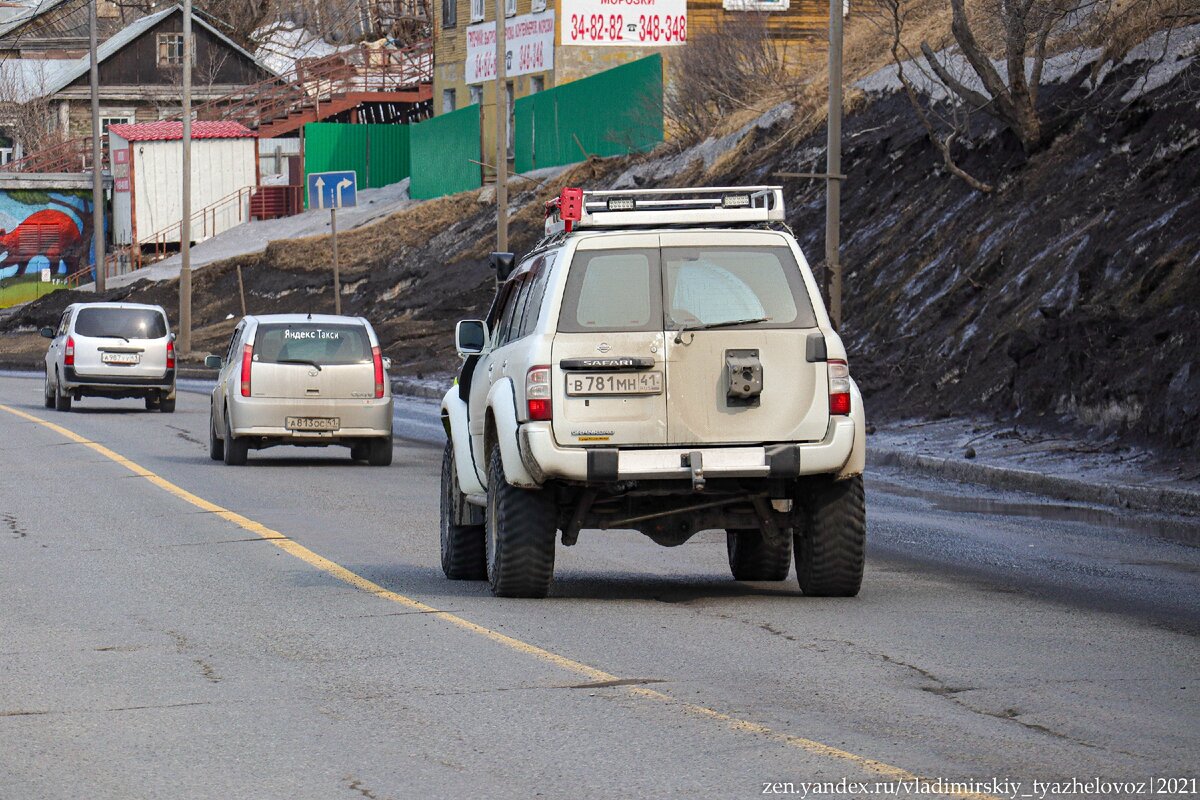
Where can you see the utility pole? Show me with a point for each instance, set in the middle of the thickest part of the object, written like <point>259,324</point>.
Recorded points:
<point>501,131</point>
<point>184,340</point>
<point>97,156</point>
<point>833,166</point>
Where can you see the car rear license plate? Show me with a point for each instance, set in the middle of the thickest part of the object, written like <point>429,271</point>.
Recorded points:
<point>313,423</point>
<point>121,358</point>
<point>602,383</point>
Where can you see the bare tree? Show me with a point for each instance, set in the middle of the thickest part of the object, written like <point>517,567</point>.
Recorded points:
<point>25,107</point>
<point>721,71</point>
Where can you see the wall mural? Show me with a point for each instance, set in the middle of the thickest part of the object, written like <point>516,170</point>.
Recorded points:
<point>44,230</point>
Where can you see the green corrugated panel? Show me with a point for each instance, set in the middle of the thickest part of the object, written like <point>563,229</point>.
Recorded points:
<point>387,154</point>
<point>442,150</point>
<point>333,146</point>
<point>614,112</point>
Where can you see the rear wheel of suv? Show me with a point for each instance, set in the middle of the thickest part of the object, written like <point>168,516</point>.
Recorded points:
<point>48,392</point>
<point>236,449</point>
<point>831,546</point>
<point>153,402</point>
<point>464,552</point>
<point>62,400</point>
<point>520,525</point>
<point>379,452</point>
<point>753,557</point>
<point>359,451</point>
<point>167,405</point>
<point>216,447</point>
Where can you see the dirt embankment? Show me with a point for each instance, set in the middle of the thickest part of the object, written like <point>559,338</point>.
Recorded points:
<point>1071,294</point>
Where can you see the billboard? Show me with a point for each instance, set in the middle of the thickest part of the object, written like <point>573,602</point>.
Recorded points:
<point>528,40</point>
<point>624,23</point>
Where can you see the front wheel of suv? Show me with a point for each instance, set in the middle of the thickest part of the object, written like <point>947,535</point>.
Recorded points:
<point>753,557</point>
<point>464,554</point>
<point>216,447</point>
<point>520,525</point>
<point>48,392</point>
<point>830,547</point>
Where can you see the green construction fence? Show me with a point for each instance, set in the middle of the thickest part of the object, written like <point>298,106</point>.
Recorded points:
<point>444,152</point>
<point>615,112</point>
<point>378,154</point>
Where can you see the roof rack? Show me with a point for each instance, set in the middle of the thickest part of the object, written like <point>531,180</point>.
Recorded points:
<point>576,208</point>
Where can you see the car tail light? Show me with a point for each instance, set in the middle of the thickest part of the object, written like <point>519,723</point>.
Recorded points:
<point>537,393</point>
<point>247,357</point>
<point>839,387</point>
<point>170,355</point>
<point>69,352</point>
<point>377,357</point>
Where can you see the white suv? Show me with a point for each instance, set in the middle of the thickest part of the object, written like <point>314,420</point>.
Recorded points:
<point>114,350</point>
<point>661,361</point>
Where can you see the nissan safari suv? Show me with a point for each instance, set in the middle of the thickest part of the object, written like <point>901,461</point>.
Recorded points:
<point>113,350</point>
<point>304,380</point>
<point>661,361</point>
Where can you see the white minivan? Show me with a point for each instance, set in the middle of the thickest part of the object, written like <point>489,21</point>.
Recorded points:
<point>114,350</point>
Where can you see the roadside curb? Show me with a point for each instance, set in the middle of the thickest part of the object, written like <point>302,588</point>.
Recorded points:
<point>1141,498</point>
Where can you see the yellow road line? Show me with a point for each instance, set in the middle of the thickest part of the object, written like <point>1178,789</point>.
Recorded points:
<point>341,573</point>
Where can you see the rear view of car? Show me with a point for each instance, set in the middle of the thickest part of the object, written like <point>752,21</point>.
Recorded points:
<point>302,380</point>
<point>113,350</point>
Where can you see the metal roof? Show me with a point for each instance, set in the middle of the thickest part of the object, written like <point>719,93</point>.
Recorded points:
<point>77,69</point>
<point>12,18</point>
<point>173,131</point>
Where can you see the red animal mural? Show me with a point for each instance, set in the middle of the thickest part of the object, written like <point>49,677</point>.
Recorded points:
<point>46,233</point>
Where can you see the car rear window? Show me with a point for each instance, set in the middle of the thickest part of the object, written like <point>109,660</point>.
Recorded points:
<point>279,343</point>
<point>127,323</point>
<point>713,285</point>
<point>612,290</point>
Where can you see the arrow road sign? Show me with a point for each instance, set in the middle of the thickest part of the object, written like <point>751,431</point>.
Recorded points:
<point>332,189</point>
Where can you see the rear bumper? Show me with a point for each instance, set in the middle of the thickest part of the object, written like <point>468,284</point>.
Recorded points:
<point>545,459</point>
<point>74,380</point>
<point>266,417</point>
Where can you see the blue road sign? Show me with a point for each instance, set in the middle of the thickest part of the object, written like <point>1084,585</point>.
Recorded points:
<point>332,189</point>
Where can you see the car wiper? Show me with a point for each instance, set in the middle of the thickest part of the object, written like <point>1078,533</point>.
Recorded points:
<point>113,336</point>
<point>708,326</point>
<point>299,361</point>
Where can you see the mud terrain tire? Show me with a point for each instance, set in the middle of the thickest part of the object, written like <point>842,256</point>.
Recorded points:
<point>464,551</point>
<point>753,558</point>
<point>830,546</point>
<point>520,525</point>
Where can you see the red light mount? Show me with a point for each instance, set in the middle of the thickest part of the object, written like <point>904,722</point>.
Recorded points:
<point>567,207</point>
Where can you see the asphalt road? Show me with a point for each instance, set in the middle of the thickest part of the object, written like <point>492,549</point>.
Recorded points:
<point>170,627</point>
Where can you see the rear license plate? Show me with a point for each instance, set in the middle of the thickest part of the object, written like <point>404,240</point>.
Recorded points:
<point>313,423</point>
<point>121,358</point>
<point>602,383</point>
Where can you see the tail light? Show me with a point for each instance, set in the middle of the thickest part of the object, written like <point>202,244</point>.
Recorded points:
<point>170,355</point>
<point>247,359</point>
<point>537,393</point>
<point>839,387</point>
<point>69,352</point>
<point>377,357</point>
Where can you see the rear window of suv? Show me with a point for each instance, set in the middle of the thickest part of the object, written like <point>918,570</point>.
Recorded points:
<point>125,323</point>
<point>280,343</point>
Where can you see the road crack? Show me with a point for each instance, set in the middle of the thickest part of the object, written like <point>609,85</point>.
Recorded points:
<point>10,522</point>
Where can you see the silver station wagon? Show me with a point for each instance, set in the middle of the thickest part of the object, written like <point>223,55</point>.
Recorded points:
<point>301,379</point>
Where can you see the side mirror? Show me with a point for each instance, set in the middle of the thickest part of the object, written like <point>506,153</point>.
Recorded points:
<point>47,331</point>
<point>387,364</point>
<point>503,263</point>
<point>471,337</point>
<point>214,362</point>
<point>173,335</point>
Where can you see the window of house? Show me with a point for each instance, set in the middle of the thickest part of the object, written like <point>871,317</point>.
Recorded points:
<point>510,8</point>
<point>537,5</point>
<point>477,10</point>
<point>449,13</point>
<point>447,100</point>
<point>477,95</point>
<point>537,84</point>
<point>170,50</point>
<point>114,119</point>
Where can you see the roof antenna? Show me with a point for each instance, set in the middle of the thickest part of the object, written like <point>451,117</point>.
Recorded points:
<point>310,315</point>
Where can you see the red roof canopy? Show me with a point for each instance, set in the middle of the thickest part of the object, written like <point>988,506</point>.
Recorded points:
<point>173,131</point>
